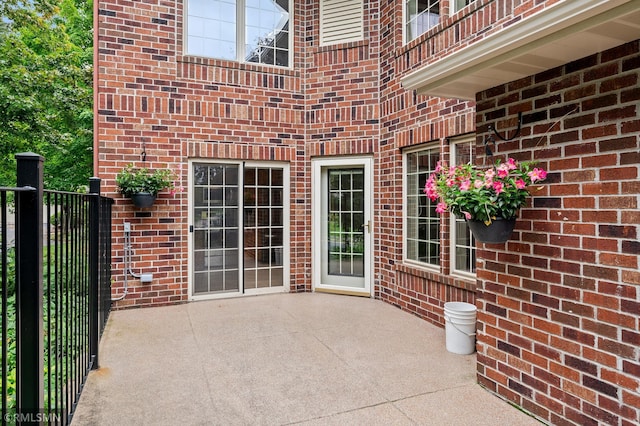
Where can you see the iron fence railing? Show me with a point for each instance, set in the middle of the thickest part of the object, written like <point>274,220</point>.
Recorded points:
<point>56,294</point>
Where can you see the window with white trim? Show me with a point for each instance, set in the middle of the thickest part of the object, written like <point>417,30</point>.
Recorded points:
<point>422,223</point>
<point>341,21</point>
<point>456,5</point>
<point>254,31</point>
<point>463,244</point>
<point>419,16</point>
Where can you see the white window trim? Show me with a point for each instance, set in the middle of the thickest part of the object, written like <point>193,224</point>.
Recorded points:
<point>414,263</point>
<point>240,36</point>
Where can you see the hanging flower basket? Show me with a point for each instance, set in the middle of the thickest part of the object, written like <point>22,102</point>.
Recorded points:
<point>497,232</point>
<point>487,198</point>
<point>143,200</point>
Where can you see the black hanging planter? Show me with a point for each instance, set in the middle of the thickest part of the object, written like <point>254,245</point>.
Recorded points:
<point>143,200</point>
<point>497,232</point>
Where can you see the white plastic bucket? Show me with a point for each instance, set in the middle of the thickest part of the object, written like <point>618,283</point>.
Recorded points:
<point>460,327</point>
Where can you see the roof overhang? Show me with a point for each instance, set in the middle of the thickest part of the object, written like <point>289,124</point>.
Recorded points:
<point>562,33</point>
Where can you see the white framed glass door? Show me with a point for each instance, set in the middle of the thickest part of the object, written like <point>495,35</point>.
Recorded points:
<point>239,228</point>
<point>342,225</point>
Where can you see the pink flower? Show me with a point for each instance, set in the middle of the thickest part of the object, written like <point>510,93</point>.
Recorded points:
<point>503,172</point>
<point>467,215</point>
<point>431,191</point>
<point>489,174</point>
<point>465,185</point>
<point>430,188</point>
<point>478,184</point>
<point>450,182</point>
<point>498,187</point>
<point>512,164</point>
<point>537,174</point>
<point>520,184</point>
<point>439,167</point>
<point>441,207</point>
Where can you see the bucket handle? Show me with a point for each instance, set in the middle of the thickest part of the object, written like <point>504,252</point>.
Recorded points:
<point>446,318</point>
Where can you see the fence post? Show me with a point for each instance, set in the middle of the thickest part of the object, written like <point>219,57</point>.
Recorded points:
<point>29,337</point>
<point>94,268</point>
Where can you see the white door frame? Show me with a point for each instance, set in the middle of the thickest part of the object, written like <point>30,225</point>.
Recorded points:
<point>317,167</point>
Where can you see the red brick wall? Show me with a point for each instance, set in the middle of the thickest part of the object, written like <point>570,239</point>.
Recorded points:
<point>176,108</point>
<point>559,303</point>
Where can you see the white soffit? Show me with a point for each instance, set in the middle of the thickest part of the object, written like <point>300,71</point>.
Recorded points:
<point>562,33</point>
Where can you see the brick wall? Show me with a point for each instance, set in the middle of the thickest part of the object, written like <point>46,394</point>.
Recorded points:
<point>151,97</point>
<point>559,303</point>
<point>176,108</point>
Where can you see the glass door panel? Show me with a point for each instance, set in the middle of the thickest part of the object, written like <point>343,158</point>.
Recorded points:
<point>263,227</point>
<point>345,222</point>
<point>215,228</point>
<point>238,233</point>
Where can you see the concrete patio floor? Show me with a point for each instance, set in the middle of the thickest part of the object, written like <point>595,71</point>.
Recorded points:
<point>310,359</point>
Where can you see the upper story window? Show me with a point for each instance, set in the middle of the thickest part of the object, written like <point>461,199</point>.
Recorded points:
<point>341,21</point>
<point>460,4</point>
<point>240,30</point>
<point>422,223</point>
<point>419,16</point>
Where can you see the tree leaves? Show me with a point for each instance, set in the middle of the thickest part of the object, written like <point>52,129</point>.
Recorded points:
<point>46,88</point>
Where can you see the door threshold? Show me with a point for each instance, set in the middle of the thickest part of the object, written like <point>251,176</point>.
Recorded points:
<point>343,292</point>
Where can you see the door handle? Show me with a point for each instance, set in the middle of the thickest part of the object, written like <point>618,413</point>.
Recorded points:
<point>368,225</point>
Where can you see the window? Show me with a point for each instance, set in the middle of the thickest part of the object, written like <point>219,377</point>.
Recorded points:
<point>463,251</point>
<point>419,16</point>
<point>460,4</point>
<point>239,30</point>
<point>422,223</point>
<point>341,21</point>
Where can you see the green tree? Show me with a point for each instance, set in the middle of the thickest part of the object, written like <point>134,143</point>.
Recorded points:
<point>46,88</point>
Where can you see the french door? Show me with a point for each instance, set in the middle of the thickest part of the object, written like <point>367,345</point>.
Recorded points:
<point>342,226</point>
<point>238,229</point>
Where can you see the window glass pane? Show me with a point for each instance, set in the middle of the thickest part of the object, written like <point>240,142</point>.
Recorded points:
<point>459,4</point>
<point>211,28</point>
<point>464,248</point>
<point>277,177</point>
<point>422,223</point>
<point>266,26</point>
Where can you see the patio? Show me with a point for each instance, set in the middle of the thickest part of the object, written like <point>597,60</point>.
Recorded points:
<point>283,359</point>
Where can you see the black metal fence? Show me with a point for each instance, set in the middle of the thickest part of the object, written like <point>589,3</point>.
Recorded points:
<point>56,294</point>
